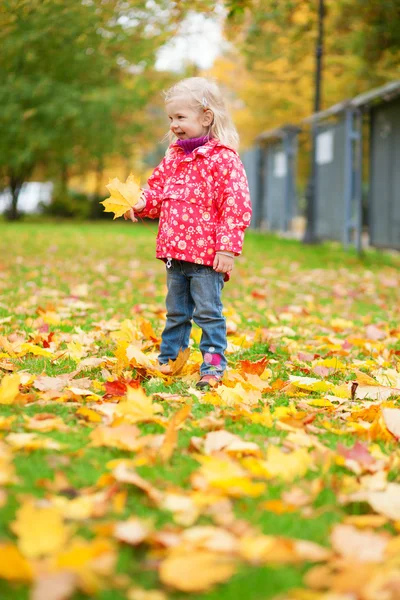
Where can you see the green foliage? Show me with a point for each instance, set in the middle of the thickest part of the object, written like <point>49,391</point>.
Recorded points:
<point>74,80</point>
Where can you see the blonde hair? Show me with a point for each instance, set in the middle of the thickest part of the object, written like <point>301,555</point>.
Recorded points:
<point>204,94</point>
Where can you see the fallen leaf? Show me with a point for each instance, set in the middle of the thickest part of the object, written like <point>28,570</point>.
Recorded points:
<point>54,586</point>
<point>124,474</point>
<point>133,531</point>
<point>391,417</point>
<point>40,530</point>
<point>124,437</point>
<point>30,441</point>
<point>92,561</point>
<point>141,594</point>
<point>9,388</point>
<point>195,571</point>
<point>355,545</point>
<point>13,565</point>
<point>177,365</point>
<point>171,433</point>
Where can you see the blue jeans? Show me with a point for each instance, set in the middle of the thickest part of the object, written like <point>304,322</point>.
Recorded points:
<point>194,292</point>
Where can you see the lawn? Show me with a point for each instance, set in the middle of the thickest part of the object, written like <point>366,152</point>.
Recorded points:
<point>121,483</point>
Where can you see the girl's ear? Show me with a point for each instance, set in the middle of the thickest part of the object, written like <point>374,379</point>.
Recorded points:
<point>208,117</point>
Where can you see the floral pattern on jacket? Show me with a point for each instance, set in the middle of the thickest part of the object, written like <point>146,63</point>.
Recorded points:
<point>202,200</point>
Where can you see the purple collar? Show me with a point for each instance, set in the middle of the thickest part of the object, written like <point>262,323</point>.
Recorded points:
<point>189,145</point>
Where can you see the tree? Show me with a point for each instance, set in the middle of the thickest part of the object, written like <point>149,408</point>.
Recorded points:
<point>74,78</point>
<point>272,67</point>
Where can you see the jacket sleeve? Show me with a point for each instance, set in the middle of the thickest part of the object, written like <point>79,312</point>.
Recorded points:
<point>233,205</point>
<point>154,192</point>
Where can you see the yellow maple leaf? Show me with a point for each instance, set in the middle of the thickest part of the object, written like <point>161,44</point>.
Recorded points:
<point>137,407</point>
<point>40,530</point>
<point>123,196</point>
<point>9,388</point>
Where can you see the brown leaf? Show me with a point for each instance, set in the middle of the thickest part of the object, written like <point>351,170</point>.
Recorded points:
<point>171,434</point>
<point>133,531</point>
<point>123,473</point>
<point>54,586</point>
<point>391,416</point>
<point>181,360</point>
<point>356,545</point>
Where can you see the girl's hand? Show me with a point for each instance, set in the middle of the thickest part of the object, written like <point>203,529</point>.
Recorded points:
<point>130,214</point>
<point>223,263</point>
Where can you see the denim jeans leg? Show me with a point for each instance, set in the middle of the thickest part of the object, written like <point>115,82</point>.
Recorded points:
<point>180,308</point>
<point>206,287</point>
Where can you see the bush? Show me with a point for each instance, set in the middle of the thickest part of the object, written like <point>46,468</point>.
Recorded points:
<point>75,205</point>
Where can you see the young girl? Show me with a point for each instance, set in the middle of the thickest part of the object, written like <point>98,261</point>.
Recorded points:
<point>200,193</point>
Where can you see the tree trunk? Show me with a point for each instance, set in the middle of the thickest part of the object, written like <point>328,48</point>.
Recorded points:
<point>15,188</point>
<point>64,178</point>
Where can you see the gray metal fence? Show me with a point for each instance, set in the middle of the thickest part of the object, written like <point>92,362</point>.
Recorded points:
<point>252,163</point>
<point>340,153</point>
<point>338,173</point>
<point>384,180</point>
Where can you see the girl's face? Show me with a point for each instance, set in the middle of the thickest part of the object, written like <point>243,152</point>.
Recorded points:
<point>186,122</point>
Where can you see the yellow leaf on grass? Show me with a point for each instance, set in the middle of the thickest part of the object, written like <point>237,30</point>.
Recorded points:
<point>6,422</point>
<point>319,402</point>
<point>7,469</point>
<point>9,388</point>
<point>330,363</point>
<point>227,476</point>
<point>238,395</point>
<point>13,566</point>
<point>45,422</point>
<point>124,437</point>
<point>141,594</point>
<point>196,571</point>
<point>28,348</point>
<point>123,196</point>
<point>40,530</point>
<point>89,414</point>
<point>30,441</point>
<point>137,407</point>
<point>285,465</point>
<point>91,561</point>
<point>310,383</point>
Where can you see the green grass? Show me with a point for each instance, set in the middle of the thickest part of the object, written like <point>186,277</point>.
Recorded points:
<point>92,273</point>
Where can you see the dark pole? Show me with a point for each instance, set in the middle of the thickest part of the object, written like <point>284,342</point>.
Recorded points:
<point>311,192</point>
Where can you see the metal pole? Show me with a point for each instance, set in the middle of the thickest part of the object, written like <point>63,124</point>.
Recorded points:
<point>311,192</point>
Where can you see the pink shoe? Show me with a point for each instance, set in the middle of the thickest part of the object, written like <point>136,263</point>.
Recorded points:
<point>165,369</point>
<point>208,381</point>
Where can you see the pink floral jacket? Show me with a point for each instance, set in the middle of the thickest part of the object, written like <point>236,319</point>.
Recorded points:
<point>202,200</point>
